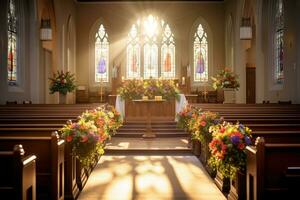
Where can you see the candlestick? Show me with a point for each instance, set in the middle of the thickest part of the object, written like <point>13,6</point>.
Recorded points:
<point>183,80</point>
<point>123,79</point>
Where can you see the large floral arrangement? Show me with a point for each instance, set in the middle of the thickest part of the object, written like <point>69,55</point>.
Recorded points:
<point>89,134</point>
<point>200,124</point>
<point>85,139</point>
<point>225,79</point>
<point>135,89</point>
<point>228,148</point>
<point>62,82</point>
<point>132,89</point>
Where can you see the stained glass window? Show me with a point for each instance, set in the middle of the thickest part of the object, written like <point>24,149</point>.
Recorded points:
<point>133,54</point>
<point>278,43</point>
<point>200,55</point>
<point>12,44</point>
<point>150,38</point>
<point>167,53</point>
<point>101,55</point>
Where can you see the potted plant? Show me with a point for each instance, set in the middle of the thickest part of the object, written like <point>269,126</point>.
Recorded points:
<point>227,148</point>
<point>227,81</point>
<point>62,83</point>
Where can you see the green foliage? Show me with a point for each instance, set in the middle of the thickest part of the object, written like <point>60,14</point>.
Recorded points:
<point>62,82</point>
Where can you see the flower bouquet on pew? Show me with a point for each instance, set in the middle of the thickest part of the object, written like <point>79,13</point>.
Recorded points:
<point>228,148</point>
<point>86,140</point>
<point>184,117</point>
<point>200,124</point>
<point>114,118</point>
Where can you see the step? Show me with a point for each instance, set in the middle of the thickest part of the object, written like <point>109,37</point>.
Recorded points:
<point>152,122</point>
<point>142,151</point>
<point>139,134</point>
<point>154,129</point>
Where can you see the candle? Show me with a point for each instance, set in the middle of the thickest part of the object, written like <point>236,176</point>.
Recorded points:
<point>183,80</point>
<point>123,79</point>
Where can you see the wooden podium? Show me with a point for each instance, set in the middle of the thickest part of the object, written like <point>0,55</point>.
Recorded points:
<point>159,110</point>
<point>148,111</point>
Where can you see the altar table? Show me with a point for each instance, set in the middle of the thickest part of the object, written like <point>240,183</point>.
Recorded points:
<point>164,111</point>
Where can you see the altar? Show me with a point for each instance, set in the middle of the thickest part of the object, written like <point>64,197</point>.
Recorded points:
<point>139,110</point>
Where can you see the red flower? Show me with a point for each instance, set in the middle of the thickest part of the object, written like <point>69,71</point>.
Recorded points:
<point>84,138</point>
<point>203,123</point>
<point>69,138</point>
<point>241,146</point>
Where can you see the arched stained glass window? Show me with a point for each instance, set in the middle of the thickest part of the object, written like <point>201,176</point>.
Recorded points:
<point>167,53</point>
<point>12,64</point>
<point>133,54</point>
<point>101,55</point>
<point>154,40</point>
<point>200,55</point>
<point>278,43</point>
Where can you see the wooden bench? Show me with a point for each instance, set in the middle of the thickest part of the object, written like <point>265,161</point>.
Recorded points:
<point>17,175</point>
<point>75,176</point>
<point>270,168</point>
<point>49,163</point>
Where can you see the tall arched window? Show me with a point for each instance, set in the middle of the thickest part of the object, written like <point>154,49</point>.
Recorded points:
<point>278,43</point>
<point>101,55</point>
<point>152,35</point>
<point>133,54</point>
<point>12,33</point>
<point>200,55</point>
<point>167,53</point>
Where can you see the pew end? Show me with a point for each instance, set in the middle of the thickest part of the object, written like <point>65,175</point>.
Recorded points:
<point>23,170</point>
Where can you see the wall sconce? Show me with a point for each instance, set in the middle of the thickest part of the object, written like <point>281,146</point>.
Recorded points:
<point>46,30</point>
<point>246,29</point>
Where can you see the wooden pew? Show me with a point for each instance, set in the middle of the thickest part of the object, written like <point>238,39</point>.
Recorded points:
<point>49,164</point>
<point>75,176</point>
<point>17,175</point>
<point>269,169</point>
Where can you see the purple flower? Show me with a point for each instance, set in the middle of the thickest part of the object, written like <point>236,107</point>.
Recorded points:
<point>241,127</point>
<point>235,139</point>
<point>247,140</point>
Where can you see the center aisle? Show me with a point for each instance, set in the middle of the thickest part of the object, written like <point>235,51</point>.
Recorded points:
<point>150,178</point>
<point>149,169</point>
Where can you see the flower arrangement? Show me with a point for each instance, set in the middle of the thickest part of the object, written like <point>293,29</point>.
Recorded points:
<point>200,124</point>
<point>228,148</point>
<point>135,89</point>
<point>225,79</point>
<point>184,117</point>
<point>132,89</point>
<point>62,82</point>
<point>89,134</point>
<point>85,140</point>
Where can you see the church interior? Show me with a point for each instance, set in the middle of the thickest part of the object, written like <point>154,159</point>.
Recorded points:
<point>156,99</point>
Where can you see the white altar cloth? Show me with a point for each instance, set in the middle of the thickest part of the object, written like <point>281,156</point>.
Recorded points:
<point>179,105</point>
